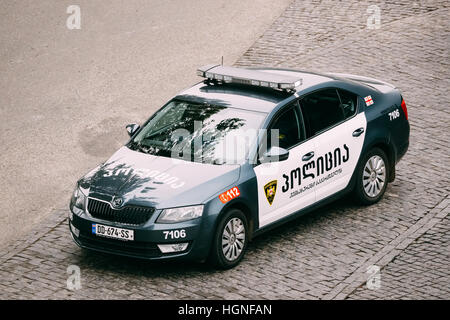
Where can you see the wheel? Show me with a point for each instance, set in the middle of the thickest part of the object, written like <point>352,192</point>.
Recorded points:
<point>372,177</point>
<point>230,240</point>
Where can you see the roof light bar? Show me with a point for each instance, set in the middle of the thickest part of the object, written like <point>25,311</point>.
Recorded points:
<point>249,77</point>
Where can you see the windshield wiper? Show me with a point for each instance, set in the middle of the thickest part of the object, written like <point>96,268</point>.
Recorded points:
<point>137,146</point>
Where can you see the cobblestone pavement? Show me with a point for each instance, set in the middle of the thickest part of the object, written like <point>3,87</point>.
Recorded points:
<point>324,255</point>
<point>422,269</point>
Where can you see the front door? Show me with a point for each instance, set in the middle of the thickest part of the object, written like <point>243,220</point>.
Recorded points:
<point>286,186</point>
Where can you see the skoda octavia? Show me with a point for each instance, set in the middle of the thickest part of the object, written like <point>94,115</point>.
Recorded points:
<point>237,154</point>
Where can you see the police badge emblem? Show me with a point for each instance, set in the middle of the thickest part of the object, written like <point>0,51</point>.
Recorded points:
<point>270,189</point>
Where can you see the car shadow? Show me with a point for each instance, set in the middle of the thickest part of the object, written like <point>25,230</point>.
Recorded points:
<point>103,262</point>
<point>304,223</point>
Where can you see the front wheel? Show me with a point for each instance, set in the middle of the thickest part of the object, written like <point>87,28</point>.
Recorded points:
<point>230,240</point>
<point>372,177</point>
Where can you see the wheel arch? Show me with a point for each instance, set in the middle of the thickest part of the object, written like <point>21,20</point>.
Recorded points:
<point>389,150</point>
<point>246,210</point>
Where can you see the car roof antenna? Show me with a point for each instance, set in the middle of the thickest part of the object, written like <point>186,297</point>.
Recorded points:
<point>222,61</point>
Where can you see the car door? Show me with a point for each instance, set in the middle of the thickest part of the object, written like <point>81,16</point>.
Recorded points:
<point>333,122</point>
<point>282,186</point>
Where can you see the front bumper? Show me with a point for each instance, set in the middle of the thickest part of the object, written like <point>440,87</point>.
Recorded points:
<point>146,238</point>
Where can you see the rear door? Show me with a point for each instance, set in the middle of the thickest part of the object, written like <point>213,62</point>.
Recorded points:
<point>333,122</point>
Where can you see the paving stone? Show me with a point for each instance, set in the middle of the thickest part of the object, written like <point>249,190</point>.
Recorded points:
<point>323,254</point>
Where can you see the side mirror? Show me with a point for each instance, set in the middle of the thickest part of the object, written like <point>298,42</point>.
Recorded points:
<point>275,154</point>
<point>132,128</point>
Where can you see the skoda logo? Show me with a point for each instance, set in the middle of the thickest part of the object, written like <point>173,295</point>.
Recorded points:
<point>117,202</point>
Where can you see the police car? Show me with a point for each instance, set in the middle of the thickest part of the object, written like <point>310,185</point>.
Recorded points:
<point>237,154</point>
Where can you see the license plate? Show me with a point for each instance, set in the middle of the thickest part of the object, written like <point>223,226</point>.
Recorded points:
<point>112,232</point>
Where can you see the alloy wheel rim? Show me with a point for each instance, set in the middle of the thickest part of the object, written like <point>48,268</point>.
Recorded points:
<point>374,176</point>
<point>233,239</point>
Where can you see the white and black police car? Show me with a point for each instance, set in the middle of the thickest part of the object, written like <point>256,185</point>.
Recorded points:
<point>236,155</point>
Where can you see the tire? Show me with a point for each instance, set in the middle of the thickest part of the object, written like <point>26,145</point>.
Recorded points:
<point>229,254</point>
<point>372,177</point>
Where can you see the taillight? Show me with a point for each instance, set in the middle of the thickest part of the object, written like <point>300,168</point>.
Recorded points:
<point>405,111</point>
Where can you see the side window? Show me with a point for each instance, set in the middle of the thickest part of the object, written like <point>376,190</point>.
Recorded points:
<point>348,102</point>
<point>288,124</point>
<point>322,109</point>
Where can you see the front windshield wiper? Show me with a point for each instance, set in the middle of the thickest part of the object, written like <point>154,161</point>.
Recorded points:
<point>154,149</point>
<point>137,146</point>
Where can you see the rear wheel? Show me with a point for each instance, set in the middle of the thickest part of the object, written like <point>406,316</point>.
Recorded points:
<point>372,177</point>
<point>230,240</point>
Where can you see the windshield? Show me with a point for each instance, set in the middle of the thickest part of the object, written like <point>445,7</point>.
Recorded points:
<point>199,132</point>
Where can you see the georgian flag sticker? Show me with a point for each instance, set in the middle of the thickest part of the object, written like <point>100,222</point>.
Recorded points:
<point>368,100</point>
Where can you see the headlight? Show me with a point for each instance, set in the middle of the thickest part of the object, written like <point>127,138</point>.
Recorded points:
<point>174,215</point>
<point>78,199</point>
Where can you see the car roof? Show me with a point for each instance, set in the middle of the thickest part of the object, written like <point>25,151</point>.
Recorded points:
<point>253,98</point>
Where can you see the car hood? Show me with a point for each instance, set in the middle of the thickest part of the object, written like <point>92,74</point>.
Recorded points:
<point>160,182</point>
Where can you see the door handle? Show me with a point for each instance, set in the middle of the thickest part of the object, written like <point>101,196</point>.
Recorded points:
<point>308,156</point>
<point>358,132</point>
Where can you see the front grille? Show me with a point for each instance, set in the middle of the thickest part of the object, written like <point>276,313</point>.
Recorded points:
<point>128,215</point>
